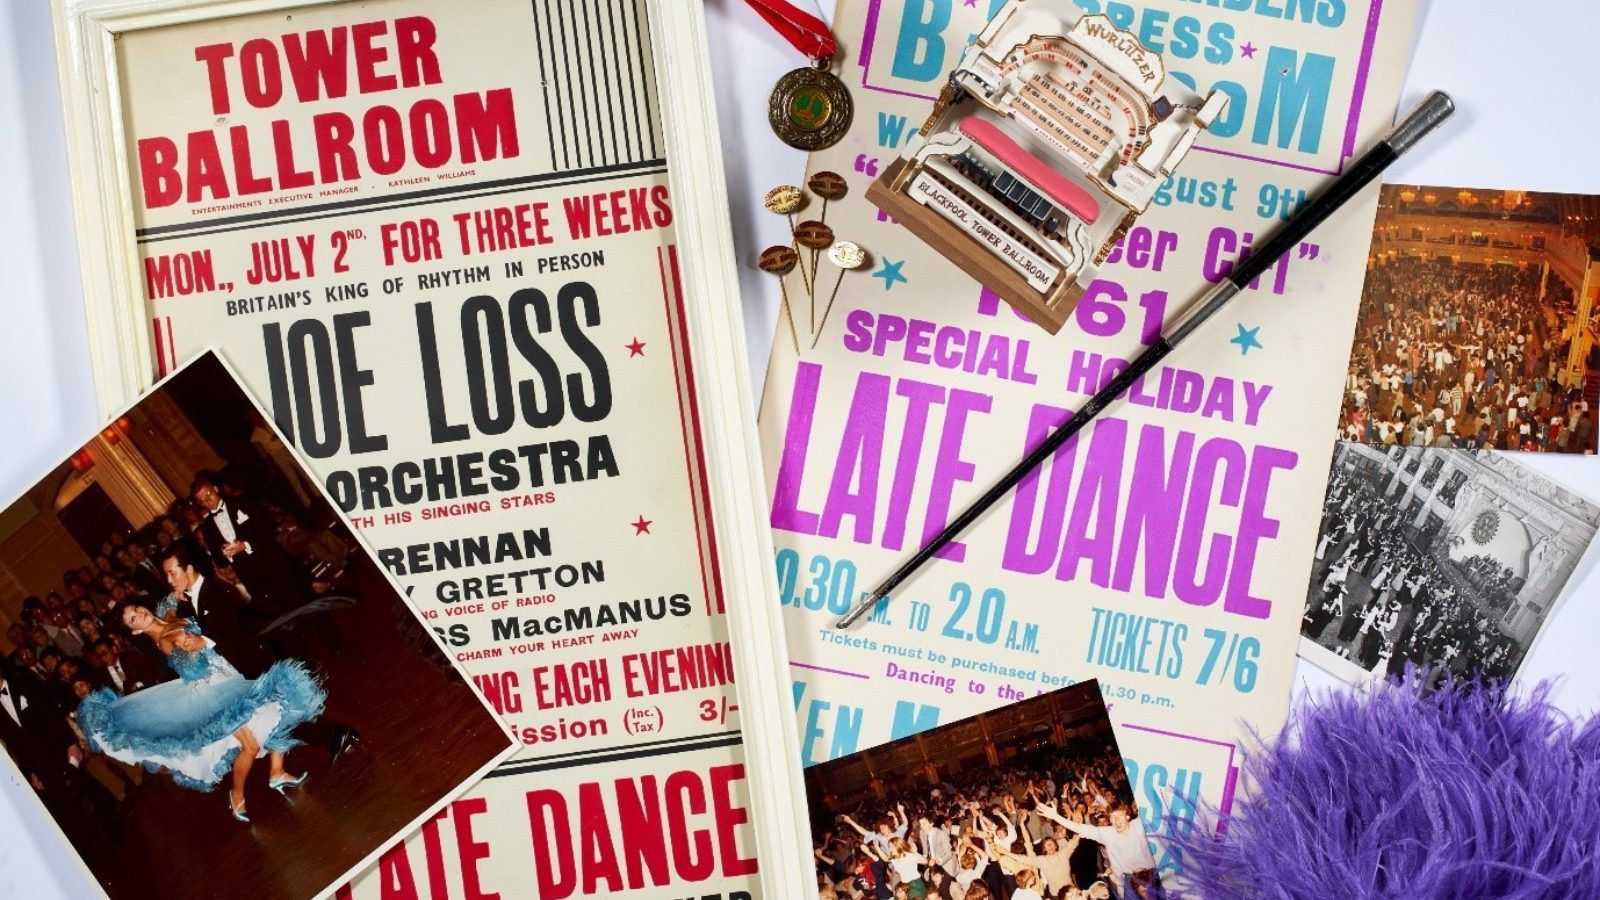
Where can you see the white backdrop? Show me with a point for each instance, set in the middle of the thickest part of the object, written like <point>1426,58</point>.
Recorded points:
<point>1519,127</point>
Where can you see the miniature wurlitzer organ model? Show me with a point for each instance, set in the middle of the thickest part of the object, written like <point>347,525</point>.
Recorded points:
<point>1050,138</point>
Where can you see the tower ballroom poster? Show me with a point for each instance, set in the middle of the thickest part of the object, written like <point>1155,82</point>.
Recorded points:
<point>438,239</point>
<point>1165,551</point>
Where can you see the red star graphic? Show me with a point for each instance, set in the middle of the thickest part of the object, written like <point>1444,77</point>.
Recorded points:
<point>642,526</point>
<point>636,348</point>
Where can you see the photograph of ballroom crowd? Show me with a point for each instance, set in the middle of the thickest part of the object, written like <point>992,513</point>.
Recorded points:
<point>1024,802</point>
<point>211,687</point>
<point>1450,561</point>
<point>1475,329</point>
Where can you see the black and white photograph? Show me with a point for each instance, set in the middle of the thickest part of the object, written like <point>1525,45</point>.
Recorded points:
<point>1025,802</point>
<point>209,684</point>
<point>1450,561</point>
<point>1474,331</point>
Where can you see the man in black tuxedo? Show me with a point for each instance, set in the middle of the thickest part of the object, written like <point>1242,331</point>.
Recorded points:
<point>144,572</point>
<point>124,673</point>
<point>242,535</point>
<point>224,616</point>
<point>36,734</point>
<point>26,668</point>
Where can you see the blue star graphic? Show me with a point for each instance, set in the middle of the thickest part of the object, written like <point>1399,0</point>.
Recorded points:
<point>890,273</point>
<point>1247,339</point>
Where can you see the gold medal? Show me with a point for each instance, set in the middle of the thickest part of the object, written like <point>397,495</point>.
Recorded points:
<point>810,108</point>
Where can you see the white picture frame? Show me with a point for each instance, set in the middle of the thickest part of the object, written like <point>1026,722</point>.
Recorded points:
<point>104,196</point>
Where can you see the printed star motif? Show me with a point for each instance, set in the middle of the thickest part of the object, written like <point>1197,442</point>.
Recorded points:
<point>636,348</point>
<point>971,3</point>
<point>1248,51</point>
<point>890,273</point>
<point>642,526</point>
<point>1247,340</point>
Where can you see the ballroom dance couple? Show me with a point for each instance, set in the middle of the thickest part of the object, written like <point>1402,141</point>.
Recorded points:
<point>231,704</point>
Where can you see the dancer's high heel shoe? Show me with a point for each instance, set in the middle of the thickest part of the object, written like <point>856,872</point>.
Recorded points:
<point>238,812</point>
<point>282,783</point>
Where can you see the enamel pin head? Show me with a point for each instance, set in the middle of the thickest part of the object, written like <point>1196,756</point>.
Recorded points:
<point>814,235</point>
<point>778,260</point>
<point>828,185</point>
<point>846,255</point>
<point>783,199</point>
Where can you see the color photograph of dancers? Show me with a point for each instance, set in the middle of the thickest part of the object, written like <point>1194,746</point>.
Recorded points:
<point>210,686</point>
<point>1450,561</point>
<point>1477,324</point>
<point>1025,802</point>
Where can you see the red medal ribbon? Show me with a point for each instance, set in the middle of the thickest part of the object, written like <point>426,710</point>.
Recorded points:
<point>805,30</point>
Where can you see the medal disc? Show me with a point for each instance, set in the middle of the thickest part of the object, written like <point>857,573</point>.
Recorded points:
<point>810,109</point>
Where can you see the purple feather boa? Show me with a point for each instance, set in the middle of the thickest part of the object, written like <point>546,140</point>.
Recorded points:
<point>1459,792</point>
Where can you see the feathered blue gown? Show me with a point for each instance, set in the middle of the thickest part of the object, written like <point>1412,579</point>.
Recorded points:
<point>187,726</point>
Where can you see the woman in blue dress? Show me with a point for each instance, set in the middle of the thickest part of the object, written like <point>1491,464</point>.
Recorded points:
<point>209,722</point>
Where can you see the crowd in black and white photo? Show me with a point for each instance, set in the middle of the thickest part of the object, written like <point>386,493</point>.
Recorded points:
<point>1383,601</point>
<point>1050,823</point>
<point>1463,355</point>
<point>92,634</point>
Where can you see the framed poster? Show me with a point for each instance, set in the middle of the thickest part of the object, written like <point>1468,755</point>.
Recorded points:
<point>474,257</point>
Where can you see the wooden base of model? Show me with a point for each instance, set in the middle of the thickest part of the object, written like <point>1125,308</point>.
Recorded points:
<point>1048,311</point>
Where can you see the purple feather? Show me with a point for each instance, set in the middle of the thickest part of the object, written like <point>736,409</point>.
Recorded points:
<point>1459,792</point>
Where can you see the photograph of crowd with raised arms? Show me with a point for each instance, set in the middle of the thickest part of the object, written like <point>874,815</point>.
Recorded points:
<point>1475,329</point>
<point>1448,561</point>
<point>209,684</point>
<point>1025,802</point>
